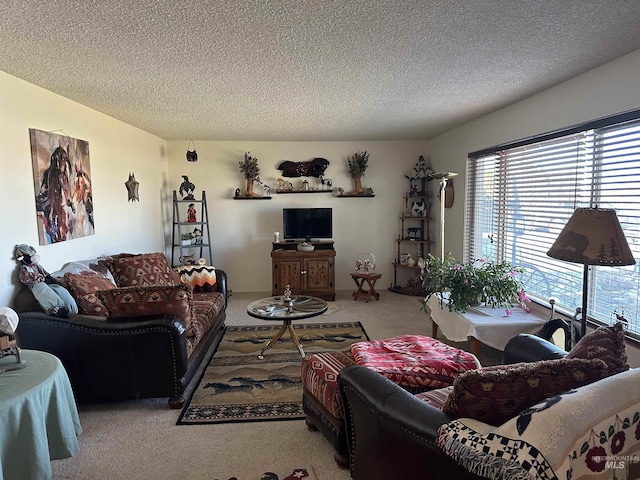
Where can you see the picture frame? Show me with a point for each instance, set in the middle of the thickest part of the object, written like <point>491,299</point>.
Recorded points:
<point>404,258</point>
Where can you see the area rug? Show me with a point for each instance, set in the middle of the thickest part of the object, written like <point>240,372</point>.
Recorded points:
<point>238,387</point>
<point>296,474</point>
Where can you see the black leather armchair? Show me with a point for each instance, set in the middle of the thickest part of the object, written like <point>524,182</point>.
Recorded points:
<point>391,434</point>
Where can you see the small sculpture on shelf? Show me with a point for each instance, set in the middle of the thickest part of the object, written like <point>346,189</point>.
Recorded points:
<point>249,168</point>
<point>284,185</point>
<point>266,188</point>
<point>187,188</point>
<point>357,165</point>
<point>197,234</point>
<point>191,213</point>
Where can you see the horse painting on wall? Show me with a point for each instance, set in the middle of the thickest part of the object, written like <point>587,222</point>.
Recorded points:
<point>62,183</point>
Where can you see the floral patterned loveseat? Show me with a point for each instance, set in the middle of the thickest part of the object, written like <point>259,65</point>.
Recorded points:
<point>142,329</point>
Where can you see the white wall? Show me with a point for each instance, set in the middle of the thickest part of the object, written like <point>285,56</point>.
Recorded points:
<point>115,150</point>
<point>610,89</point>
<point>242,231</point>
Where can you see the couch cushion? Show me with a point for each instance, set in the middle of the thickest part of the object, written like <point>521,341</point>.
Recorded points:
<point>495,394</point>
<point>436,398</point>
<point>606,343</point>
<point>143,270</point>
<point>83,287</point>
<point>147,301</point>
<point>207,306</point>
<point>201,278</point>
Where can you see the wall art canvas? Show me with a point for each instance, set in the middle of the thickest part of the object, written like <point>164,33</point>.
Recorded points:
<point>62,184</point>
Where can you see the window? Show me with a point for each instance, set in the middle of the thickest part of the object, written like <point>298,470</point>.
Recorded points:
<point>520,196</point>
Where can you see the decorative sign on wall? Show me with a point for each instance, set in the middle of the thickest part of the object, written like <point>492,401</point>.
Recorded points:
<point>312,168</point>
<point>62,185</point>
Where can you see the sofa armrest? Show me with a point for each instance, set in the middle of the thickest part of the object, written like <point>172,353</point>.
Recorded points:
<point>221,285</point>
<point>387,426</point>
<point>530,348</point>
<point>111,359</point>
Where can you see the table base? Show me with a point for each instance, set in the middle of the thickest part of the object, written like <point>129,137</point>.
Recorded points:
<point>371,281</point>
<point>476,345</point>
<point>286,325</point>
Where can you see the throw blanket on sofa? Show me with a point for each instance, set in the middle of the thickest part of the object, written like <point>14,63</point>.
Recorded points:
<point>414,361</point>
<point>591,432</point>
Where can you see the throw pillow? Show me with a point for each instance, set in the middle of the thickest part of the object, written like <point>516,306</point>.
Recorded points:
<point>201,278</point>
<point>606,343</point>
<point>143,270</point>
<point>436,398</point>
<point>83,286</point>
<point>493,395</point>
<point>148,301</point>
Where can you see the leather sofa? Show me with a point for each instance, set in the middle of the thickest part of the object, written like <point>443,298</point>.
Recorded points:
<point>131,356</point>
<point>392,434</point>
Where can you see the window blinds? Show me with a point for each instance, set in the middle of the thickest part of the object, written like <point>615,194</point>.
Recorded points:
<point>519,199</point>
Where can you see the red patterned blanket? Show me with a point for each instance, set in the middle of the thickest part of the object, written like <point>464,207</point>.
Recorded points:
<point>413,361</point>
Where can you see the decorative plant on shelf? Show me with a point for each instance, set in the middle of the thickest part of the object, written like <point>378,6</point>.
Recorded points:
<point>250,170</point>
<point>187,238</point>
<point>460,285</point>
<point>357,166</point>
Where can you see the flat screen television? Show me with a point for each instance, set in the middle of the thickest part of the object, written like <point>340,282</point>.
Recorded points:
<point>307,223</point>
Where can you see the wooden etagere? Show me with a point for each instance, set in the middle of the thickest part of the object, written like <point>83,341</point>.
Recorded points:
<point>414,238</point>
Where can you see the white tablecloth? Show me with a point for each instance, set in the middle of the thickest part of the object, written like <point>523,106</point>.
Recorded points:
<point>490,326</point>
<point>38,416</point>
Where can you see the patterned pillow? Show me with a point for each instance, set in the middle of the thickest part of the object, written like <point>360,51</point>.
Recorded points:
<point>201,278</point>
<point>436,398</point>
<point>495,394</point>
<point>83,286</point>
<point>143,270</point>
<point>147,301</point>
<point>606,343</point>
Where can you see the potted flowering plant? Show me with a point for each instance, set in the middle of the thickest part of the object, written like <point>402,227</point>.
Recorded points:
<point>461,285</point>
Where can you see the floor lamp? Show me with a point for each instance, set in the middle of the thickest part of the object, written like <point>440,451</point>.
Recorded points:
<point>592,236</point>
<point>443,177</point>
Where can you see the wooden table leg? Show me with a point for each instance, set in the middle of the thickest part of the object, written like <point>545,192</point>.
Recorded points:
<point>372,290</point>
<point>360,293</point>
<point>476,347</point>
<point>272,342</point>
<point>296,340</point>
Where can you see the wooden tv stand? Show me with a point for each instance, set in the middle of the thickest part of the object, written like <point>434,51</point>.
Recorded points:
<point>307,273</point>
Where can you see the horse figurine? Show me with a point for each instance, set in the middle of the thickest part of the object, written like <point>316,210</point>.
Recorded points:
<point>265,187</point>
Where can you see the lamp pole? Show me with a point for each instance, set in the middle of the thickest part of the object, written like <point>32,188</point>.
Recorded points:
<point>443,177</point>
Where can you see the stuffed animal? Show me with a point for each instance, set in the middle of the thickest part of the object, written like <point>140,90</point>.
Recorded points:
<point>52,297</point>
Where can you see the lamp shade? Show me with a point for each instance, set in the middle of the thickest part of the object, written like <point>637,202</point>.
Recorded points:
<point>593,236</point>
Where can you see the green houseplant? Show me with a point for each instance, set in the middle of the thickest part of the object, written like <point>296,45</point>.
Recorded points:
<point>461,285</point>
<point>357,166</point>
<point>249,168</point>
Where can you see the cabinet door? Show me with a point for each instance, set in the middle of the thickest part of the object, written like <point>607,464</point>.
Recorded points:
<point>318,276</point>
<point>287,272</point>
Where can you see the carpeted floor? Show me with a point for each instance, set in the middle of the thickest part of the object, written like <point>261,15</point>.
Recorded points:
<point>237,386</point>
<point>140,439</point>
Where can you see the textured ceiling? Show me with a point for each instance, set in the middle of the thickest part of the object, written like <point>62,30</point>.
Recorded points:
<point>293,70</point>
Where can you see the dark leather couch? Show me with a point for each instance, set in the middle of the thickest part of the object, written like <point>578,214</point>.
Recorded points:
<point>391,434</point>
<point>120,359</point>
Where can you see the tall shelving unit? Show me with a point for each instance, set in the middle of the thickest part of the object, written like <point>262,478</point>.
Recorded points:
<point>414,238</point>
<point>180,226</point>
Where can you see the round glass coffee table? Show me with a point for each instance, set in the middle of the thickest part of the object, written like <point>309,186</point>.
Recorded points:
<point>286,309</point>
